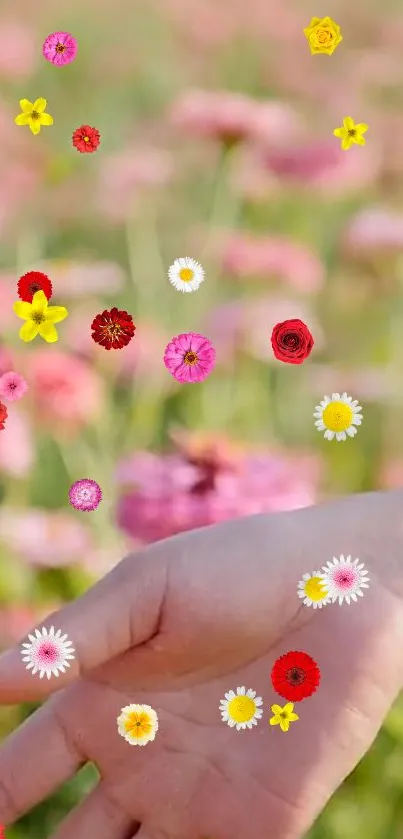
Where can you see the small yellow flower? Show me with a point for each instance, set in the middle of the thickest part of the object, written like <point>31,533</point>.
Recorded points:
<point>138,724</point>
<point>283,716</point>
<point>351,133</point>
<point>33,114</point>
<point>40,318</point>
<point>323,35</point>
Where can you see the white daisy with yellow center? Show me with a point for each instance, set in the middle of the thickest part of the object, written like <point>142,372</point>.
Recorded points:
<point>313,590</point>
<point>338,416</point>
<point>138,724</point>
<point>241,709</point>
<point>186,274</point>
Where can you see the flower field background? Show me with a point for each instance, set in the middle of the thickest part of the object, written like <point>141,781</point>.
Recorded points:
<point>217,142</point>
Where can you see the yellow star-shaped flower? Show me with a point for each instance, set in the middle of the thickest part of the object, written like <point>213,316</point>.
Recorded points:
<point>283,716</point>
<point>33,114</point>
<point>323,35</point>
<point>40,318</point>
<point>351,133</point>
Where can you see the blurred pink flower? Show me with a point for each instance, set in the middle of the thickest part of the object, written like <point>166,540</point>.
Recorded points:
<point>372,384</point>
<point>373,230</point>
<point>246,325</point>
<point>17,446</point>
<point>43,537</point>
<point>83,279</point>
<point>233,117</point>
<point>265,257</point>
<point>167,494</point>
<point>124,177</point>
<point>64,388</point>
<point>18,53</point>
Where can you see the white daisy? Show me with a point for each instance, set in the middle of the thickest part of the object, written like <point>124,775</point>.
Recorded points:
<point>241,709</point>
<point>49,652</point>
<point>345,579</point>
<point>338,416</point>
<point>138,724</point>
<point>186,274</point>
<point>313,590</point>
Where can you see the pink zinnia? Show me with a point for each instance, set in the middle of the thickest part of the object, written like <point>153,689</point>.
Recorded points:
<point>189,357</point>
<point>12,386</point>
<point>60,48</point>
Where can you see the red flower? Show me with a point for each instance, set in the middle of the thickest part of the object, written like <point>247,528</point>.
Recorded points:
<point>3,415</point>
<point>292,341</point>
<point>113,330</point>
<point>295,676</point>
<point>86,139</point>
<point>32,282</point>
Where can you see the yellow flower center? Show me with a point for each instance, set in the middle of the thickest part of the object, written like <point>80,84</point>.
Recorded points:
<point>86,139</point>
<point>313,589</point>
<point>60,48</point>
<point>37,316</point>
<point>352,132</point>
<point>35,115</point>
<point>190,358</point>
<point>337,416</point>
<point>186,275</point>
<point>137,724</point>
<point>323,36</point>
<point>241,709</point>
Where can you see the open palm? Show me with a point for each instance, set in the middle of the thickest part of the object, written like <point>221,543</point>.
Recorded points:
<point>178,626</point>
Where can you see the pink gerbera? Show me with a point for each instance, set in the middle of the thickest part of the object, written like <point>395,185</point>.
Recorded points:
<point>189,357</point>
<point>12,386</point>
<point>60,48</point>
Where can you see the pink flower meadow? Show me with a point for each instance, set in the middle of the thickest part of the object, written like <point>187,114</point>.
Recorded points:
<point>60,48</point>
<point>245,255</point>
<point>12,386</point>
<point>189,357</point>
<point>66,391</point>
<point>44,538</point>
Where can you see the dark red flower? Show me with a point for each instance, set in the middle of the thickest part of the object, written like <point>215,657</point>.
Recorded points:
<point>113,330</point>
<point>295,676</point>
<point>86,139</point>
<point>292,341</point>
<point>31,282</point>
<point>3,415</point>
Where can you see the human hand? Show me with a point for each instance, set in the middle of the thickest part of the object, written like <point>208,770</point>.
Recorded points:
<point>176,627</point>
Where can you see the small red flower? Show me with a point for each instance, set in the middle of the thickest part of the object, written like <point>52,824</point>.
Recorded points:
<point>113,330</point>
<point>292,341</point>
<point>86,139</point>
<point>3,415</point>
<point>295,676</point>
<point>31,282</point>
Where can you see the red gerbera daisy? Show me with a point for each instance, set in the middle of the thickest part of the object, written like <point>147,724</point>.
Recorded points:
<point>32,282</point>
<point>3,415</point>
<point>86,139</point>
<point>295,676</point>
<point>113,330</point>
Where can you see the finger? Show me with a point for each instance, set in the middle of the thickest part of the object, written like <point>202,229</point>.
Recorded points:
<point>120,612</point>
<point>99,817</point>
<point>44,738</point>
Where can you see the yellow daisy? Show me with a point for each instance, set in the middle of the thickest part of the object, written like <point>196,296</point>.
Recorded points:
<point>351,133</point>
<point>40,318</point>
<point>33,114</point>
<point>323,35</point>
<point>241,709</point>
<point>283,716</point>
<point>313,590</point>
<point>138,724</point>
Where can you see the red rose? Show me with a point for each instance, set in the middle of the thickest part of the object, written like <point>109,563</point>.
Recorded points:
<point>292,341</point>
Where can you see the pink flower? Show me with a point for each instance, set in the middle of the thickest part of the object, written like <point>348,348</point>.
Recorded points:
<point>76,279</point>
<point>233,117</point>
<point>189,357</point>
<point>44,538</point>
<point>169,494</point>
<point>60,48</point>
<point>12,386</point>
<point>247,256</point>
<point>124,178</point>
<point>85,495</point>
<point>64,388</point>
<point>374,230</point>
<point>18,53</point>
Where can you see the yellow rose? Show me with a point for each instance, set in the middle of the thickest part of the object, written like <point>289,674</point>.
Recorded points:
<point>323,35</point>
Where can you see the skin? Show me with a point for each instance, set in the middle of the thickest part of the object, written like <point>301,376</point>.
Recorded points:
<point>178,625</point>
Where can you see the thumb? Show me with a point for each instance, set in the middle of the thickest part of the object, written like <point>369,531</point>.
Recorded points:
<point>120,612</point>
